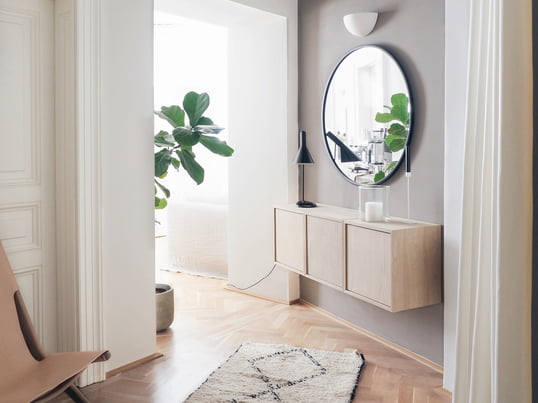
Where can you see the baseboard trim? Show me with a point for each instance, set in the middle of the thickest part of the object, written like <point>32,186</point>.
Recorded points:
<point>379,339</point>
<point>444,391</point>
<point>133,364</point>
<point>278,301</point>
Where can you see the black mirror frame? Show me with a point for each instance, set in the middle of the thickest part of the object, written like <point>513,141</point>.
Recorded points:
<point>411,114</point>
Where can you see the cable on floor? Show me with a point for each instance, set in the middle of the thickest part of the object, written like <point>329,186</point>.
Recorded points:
<point>256,283</point>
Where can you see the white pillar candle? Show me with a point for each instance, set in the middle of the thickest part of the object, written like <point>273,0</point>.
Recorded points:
<point>373,211</point>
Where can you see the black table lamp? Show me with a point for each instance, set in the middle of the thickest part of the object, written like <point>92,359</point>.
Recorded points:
<point>346,154</point>
<point>303,157</point>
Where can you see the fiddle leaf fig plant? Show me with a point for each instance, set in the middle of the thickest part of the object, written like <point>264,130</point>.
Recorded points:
<point>398,116</point>
<point>176,146</point>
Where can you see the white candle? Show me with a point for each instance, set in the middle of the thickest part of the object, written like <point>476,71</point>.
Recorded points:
<point>373,211</point>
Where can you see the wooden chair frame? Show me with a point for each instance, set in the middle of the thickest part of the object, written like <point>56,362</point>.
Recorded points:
<point>21,353</point>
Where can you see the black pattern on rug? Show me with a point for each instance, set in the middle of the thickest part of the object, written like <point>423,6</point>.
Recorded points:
<point>273,388</point>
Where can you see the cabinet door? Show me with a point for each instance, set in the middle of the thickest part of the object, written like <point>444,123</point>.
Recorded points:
<point>290,245</point>
<point>325,250</point>
<point>368,264</point>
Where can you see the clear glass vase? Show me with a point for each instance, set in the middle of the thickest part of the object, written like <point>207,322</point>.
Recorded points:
<point>374,203</point>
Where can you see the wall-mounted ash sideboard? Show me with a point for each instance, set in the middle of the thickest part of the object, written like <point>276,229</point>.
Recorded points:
<point>395,265</point>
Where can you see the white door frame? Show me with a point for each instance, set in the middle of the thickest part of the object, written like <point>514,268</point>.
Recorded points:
<point>88,136</point>
<point>80,288</point>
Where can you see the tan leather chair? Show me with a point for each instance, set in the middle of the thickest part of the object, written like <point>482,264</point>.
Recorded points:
<point>27,374</point>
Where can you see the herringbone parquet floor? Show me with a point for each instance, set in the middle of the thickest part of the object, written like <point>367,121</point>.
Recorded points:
<point>210,323</point>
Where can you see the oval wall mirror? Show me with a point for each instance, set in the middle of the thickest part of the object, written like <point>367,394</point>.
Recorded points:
<point>367,115</point>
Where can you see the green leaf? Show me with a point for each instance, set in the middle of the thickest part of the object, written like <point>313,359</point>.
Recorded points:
<point>162,161</point>
<point>164,139</point>
<point>160,203</point>
<point>204,121</point>
<point>175,163</point>
<point>391,166</point>
<point>185,137</point>
<point>395,143</point>
<point>195,105</point>
<point>383,117</point>
<point>398,130</point>
<point>216,145</point>
<point>379,176</point>
<point>173,115</point>
<point>163,188</point>
<point>399,112</point>
<point>400,99</point>
<point>190,165</point>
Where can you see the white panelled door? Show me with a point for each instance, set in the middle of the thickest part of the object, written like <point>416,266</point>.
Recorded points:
<point>27,156</point>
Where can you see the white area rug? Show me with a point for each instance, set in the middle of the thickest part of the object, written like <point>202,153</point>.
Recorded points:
<point>276,372</point>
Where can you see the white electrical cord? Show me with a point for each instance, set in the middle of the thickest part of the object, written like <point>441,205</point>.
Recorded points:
<point>256,283</point>
<point>408,176</point>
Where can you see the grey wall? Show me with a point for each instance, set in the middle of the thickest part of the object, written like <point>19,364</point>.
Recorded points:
<point>413,31</point>
<point>535,208</point>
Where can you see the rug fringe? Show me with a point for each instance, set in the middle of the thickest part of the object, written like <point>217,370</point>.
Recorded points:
<point>363,364</point>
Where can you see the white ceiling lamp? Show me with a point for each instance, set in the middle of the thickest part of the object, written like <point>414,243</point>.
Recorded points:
<point>360,24</point>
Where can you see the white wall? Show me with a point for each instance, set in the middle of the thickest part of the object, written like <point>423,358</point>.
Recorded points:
<point>127,179</point>
<point>270,44</point>
<point>259,167</point>
<point>456,56</point>
<point>289,10</point>
<point>270,67</point>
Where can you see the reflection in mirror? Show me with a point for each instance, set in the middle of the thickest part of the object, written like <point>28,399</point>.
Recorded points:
<point>366,115</point>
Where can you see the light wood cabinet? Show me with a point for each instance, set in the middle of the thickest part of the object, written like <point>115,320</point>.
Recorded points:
<point>395,265</point>
<point>325,250</point>
<point>368,264</point>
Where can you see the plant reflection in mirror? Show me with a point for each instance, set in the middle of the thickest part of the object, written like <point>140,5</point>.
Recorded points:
<point>176,147</point>
<point>398,117</point>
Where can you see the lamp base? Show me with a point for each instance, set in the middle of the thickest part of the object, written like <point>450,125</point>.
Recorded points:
<point>305,204</point>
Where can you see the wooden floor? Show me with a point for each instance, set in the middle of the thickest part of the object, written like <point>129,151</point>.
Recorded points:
<point>210,323</point>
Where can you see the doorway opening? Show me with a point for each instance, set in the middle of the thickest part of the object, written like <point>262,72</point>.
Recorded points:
<point>249,57</point>
<point>191,232</point>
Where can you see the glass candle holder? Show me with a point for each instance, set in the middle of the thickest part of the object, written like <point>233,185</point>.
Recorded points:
<point>374,203</point>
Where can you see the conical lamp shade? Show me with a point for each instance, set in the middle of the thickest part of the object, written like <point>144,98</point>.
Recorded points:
<point>346,155</point>
<point>303,155</point>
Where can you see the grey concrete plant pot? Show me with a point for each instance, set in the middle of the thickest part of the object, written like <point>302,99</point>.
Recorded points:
<point>164,298</point>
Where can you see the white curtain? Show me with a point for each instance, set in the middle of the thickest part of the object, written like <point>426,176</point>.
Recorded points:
<point>493,347</point>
